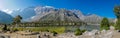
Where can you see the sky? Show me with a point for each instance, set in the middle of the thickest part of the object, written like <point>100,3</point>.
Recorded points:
<point>102,8</point>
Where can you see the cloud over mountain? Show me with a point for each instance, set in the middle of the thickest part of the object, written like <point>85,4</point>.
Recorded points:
<point>8,11</point>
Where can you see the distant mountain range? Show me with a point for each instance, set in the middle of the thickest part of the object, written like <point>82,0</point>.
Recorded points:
<point>25,13</point>
<point>49,13</point>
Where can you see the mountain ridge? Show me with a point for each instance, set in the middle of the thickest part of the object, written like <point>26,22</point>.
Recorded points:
<point>43,12</point>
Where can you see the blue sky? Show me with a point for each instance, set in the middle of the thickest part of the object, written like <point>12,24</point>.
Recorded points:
<point>102,8</point>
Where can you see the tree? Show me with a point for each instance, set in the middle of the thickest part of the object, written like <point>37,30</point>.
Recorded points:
<point>17,19</point>
<point>117,26</point>
<point>104,24</point>
<point>117,13</point>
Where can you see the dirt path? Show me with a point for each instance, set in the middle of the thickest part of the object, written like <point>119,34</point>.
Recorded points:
<point>116,35</point>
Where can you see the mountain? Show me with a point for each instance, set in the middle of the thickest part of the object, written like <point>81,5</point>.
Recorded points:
<point>32,12</point>
<point>88,18</point>
<point>41,11</point>
<point>5,18</point>
<point>94,19</point>
<point>47,13</point>
<point>78,13</point>
<point>61,15</point>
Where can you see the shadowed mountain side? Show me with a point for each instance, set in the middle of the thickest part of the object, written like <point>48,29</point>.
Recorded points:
<point>5,18</point>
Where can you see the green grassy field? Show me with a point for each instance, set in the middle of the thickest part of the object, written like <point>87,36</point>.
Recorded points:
<point>58,29</point>
<point>37,29</point>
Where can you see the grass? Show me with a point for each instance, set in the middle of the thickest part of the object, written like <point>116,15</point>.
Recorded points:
<point>0,28</point>
<point>59,30</point>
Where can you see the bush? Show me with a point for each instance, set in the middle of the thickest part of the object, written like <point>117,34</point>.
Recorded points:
<point>4,28</point>
<point>79,32</point>
<point>15,30</point>
<point>54,33</point>
<point>117,26</point>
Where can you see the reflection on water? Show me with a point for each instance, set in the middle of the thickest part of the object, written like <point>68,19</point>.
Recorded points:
<point>82,27</point>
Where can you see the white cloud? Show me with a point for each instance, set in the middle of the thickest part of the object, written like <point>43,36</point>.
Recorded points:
<point>48,7</point>
<point>8,11</point>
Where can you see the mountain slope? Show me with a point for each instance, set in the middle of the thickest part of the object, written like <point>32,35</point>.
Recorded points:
<point>61,15</point>
<point>45,13</point>
<point>5,18</point>
<point>94,19</point>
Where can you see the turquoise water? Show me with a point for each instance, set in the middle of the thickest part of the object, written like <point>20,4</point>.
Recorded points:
<point>83,27</point>
<point>90,27</point>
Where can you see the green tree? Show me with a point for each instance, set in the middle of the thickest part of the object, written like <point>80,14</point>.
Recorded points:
<point>17,19</point>
<point>104,24</point>
<point>117,26</point>
<point>117,13</point>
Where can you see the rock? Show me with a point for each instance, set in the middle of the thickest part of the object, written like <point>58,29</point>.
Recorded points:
<point>2,37</point>
<point>106,35</point>
<point>38,36</point>
<point>103,31</point>
<point>93,32</point>
<point>112,28</point>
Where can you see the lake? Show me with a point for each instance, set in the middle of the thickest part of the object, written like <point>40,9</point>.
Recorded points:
<point>90,27</point>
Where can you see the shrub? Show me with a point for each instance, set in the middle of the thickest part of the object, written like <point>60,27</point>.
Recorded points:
<point>54,33</point>
<point>4,28</point>
<point>117,26</point>
<point>79,32</point>
<point>15,30</point>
